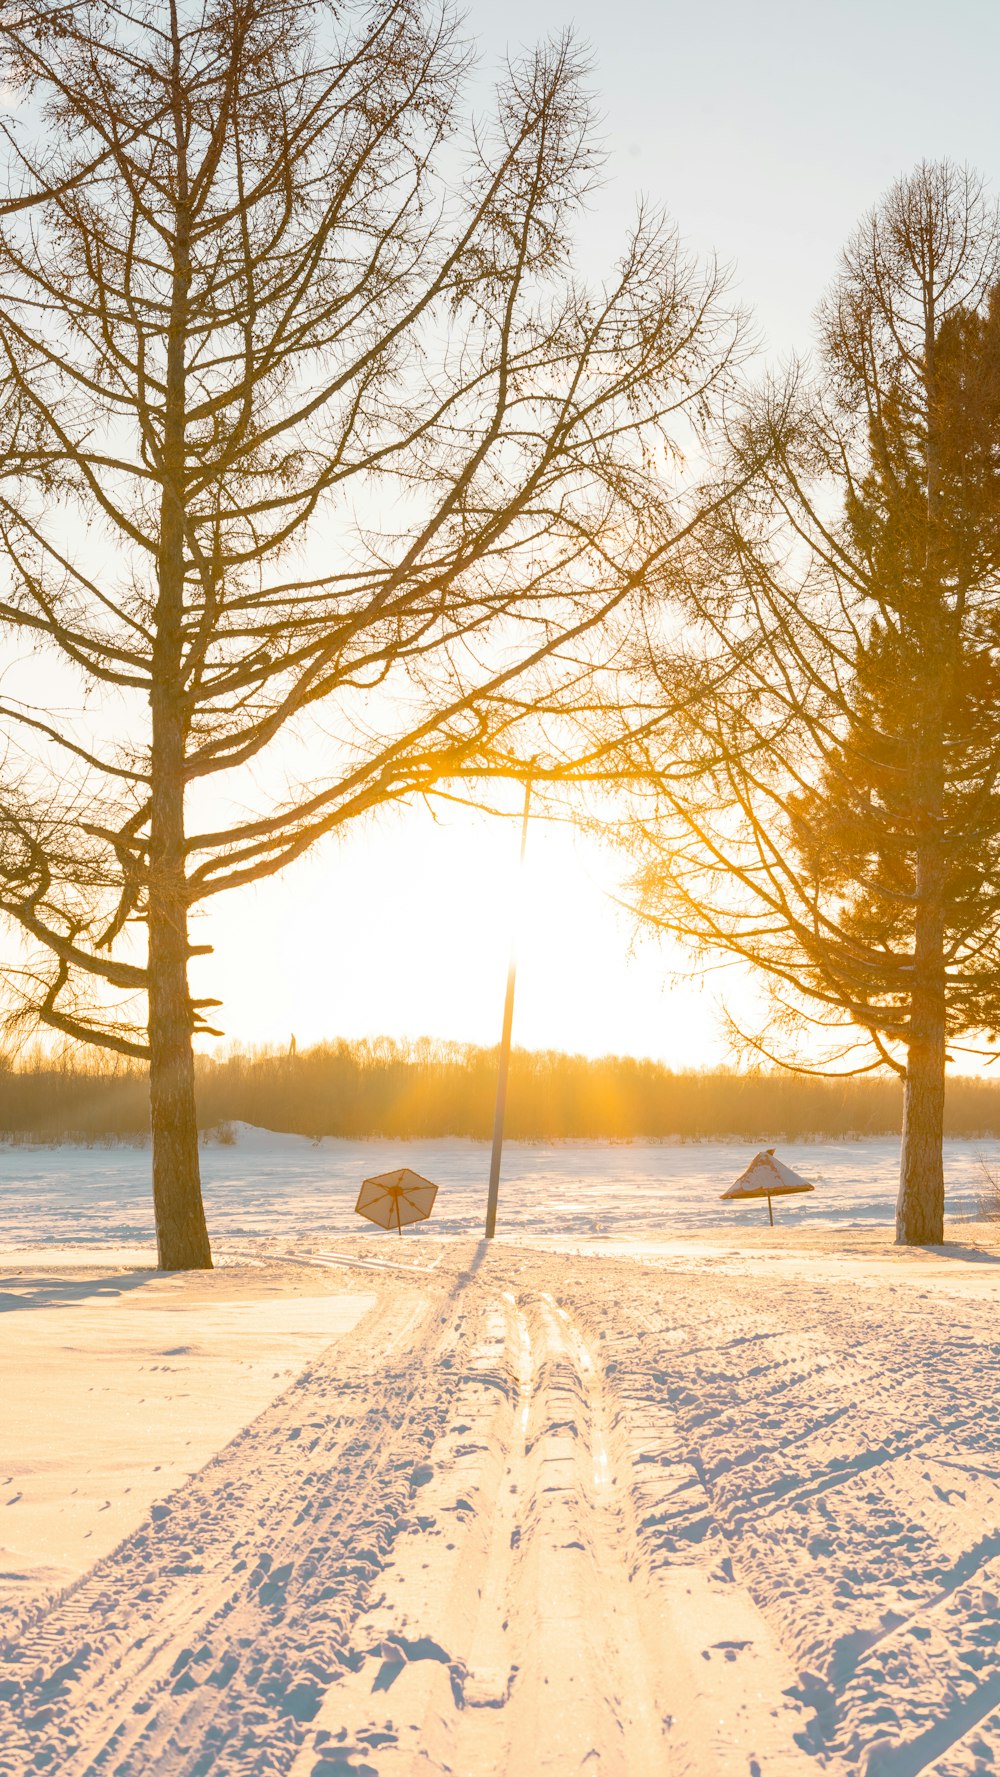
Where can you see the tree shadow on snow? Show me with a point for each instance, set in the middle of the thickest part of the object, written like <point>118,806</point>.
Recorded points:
<point>973,1255</point>
<point>60,1292</point>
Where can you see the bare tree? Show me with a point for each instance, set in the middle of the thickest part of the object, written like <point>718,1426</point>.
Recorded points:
<point>839,827</point>
<point>352,466</point>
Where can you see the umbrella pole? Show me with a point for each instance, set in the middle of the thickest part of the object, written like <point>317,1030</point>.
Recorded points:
<point>504,1065</point>
<point>770,1212</point>
<point>399,1218</point>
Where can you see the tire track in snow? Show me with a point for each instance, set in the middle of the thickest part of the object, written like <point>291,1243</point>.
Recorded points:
<point>586,1688</point>
<point>875,1563</point>
<point>432,1643</point>
<point>492,1658</point>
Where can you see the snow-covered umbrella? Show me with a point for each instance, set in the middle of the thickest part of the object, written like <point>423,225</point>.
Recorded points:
<point>394,1199</point>
<point>767,1177</point>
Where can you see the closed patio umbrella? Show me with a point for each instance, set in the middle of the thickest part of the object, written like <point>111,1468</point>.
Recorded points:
<point>392,1199</point>
<point>767,1177</point>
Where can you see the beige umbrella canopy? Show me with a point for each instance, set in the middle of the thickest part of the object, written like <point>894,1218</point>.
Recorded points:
<point>766,1177</point>
<point>393,1199</point>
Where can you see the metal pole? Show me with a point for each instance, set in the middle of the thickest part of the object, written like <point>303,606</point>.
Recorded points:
<point>770,1213</point>
<point>502,1071</point>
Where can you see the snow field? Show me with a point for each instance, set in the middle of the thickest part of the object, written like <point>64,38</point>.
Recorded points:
<point>545,1512</point>
<point>118,1385</point>
<point>289,1188</point>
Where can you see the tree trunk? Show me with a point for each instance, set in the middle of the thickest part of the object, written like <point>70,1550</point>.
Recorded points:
<point>181,1233</point>
<point>920,1205</point>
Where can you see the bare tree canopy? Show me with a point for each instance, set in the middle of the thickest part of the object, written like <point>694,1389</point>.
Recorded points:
<point>341,463</point>
<point>839,824</point>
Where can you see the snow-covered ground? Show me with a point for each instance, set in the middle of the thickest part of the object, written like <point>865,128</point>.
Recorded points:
<point>644,1488</point>
<point>287,1185</point>
<point>118,1384</point>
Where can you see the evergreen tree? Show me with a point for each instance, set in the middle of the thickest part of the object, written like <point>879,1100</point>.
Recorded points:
<point>840,824</point>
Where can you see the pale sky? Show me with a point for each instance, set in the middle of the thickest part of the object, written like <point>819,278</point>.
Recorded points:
<point>766,130</point>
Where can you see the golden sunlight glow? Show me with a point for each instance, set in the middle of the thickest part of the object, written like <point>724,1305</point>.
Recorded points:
<point>405,930</point>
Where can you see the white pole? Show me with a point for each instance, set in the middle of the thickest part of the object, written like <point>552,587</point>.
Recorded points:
<point>504,1067</point>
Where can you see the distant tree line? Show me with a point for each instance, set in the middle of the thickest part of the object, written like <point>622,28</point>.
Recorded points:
<point>425,1090</point>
